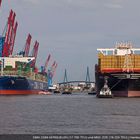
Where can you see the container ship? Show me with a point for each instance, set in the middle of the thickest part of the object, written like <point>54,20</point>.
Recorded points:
<point>118,71</point>
<point>18,73</point>
<point>18,78</point>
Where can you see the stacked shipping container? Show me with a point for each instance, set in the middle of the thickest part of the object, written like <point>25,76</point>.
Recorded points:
<point>116,63</point>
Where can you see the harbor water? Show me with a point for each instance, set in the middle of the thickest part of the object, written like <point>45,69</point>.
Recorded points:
<point>68,114</point>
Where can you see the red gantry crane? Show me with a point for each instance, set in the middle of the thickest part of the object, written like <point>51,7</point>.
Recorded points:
<point>10,35</point>
<point>53,68</point>
<point>0,2</point>
<point>27,46</point>
<point>46,64</point>
<point>13,38</point>
<point>34,53</point>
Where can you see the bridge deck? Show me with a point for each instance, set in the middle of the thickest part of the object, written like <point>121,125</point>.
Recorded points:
<point>75,82</point>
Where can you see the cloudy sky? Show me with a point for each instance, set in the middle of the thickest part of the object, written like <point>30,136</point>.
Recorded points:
<point>72,30</point>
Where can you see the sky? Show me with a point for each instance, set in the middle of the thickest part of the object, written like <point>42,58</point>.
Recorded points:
<point>72,30</point>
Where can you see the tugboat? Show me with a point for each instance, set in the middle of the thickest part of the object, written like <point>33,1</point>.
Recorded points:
<point>66,91</point>
<point>105,91</point>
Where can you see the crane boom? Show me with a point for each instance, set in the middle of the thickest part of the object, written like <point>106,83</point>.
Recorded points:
<point>51,73</point>
<point>0,2</point>
<point>34,53</point>
<point>52,67</point>
<point>6,45</point>
<point>10,35</point>
<point>27,45</point>
<point>47,62</point>
<point>54,70</point>
<point>13,38</point>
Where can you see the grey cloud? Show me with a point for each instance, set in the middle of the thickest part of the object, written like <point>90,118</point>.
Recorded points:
<point>111,5</point>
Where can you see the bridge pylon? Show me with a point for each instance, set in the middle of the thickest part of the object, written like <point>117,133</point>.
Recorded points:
<point>87,76</point>
<point>65,77</point>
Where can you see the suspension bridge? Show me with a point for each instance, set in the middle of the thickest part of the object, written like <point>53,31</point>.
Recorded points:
<point>86,81</point>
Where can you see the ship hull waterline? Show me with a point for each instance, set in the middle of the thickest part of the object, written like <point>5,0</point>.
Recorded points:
<point>14,85</point>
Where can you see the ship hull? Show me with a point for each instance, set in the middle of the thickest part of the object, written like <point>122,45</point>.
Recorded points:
<point>128,93</point>
<point>121,85</point>
<point>18,92</point>
<point>14,85</point>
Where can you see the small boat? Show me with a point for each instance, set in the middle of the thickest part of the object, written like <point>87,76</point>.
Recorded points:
<point>105,92</point>
<point>66,92</point>
<point>56,91</point>
<point>92,93</point>
<point>45,92</point>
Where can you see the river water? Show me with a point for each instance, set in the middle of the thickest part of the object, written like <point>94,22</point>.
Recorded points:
<point>69,114</point>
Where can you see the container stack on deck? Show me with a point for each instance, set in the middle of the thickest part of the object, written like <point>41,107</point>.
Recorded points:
<point>115,63</point>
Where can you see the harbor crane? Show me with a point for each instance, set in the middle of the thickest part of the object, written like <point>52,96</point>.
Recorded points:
<point>34,53</point>
<point>11,29</point>
<point>54,70</point>
<point>13,38</point>
<point>27,45</point>
<point>46,63</point>
<point>26,49</point>
<point>0,2</point>
<point>51,73</point>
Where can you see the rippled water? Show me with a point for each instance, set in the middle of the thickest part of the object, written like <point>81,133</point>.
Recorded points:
<point>69,114</point>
